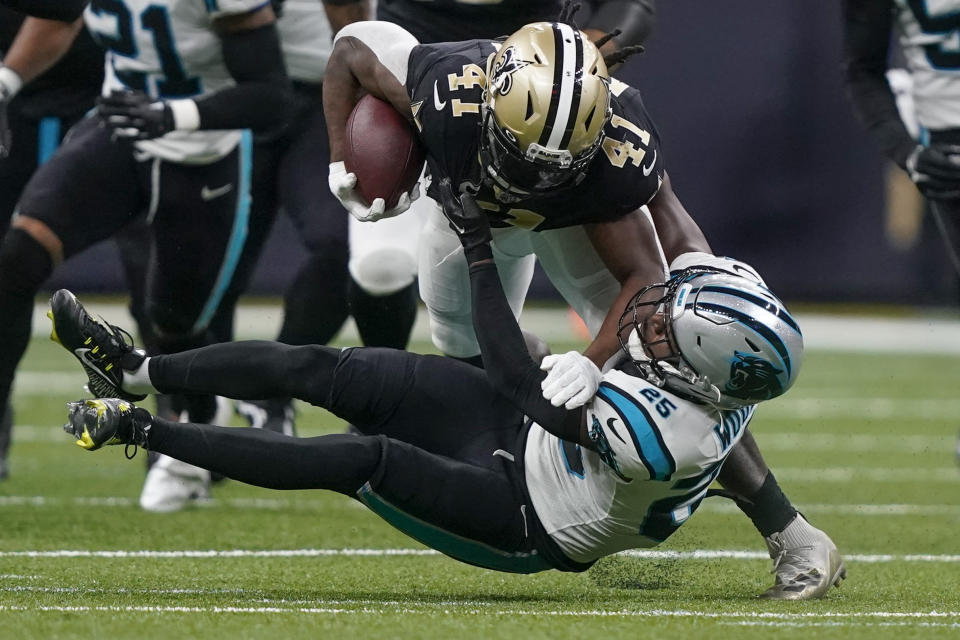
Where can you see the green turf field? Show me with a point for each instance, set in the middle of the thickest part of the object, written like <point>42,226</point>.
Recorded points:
<point>864,445</point>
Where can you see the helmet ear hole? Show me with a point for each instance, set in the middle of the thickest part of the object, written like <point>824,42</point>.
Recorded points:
<point>530,112</point>
<point>753,346</point>
<point>590,115</point>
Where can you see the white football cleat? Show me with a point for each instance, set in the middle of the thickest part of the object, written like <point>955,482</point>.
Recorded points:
<point>171,485</point>
<point>805,561</point>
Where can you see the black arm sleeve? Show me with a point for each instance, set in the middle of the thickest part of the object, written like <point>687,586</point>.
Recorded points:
<point>263,97</point>
<point>868,26</point>
<point>63,10</point>
<point>509,367</point>
<point>634,18</point>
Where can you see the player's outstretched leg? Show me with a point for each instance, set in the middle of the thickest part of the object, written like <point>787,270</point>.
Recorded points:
<point>103,350</point>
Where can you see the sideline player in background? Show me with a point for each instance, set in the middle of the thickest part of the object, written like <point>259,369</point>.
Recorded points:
<point>448,453</point>
<point>928,38</point>
<point>33,120</point>
<point>146,154</point>
<point>565,182</point>
<point>371,275</point>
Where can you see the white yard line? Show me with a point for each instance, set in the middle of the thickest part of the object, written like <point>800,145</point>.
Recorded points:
<point>759,618</point>
<point>647,554</point>
<point>274,504</point>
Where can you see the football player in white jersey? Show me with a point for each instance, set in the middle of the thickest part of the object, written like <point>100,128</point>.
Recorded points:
<point>588,195</point>
<point>183,78</point>
<point>476,463</point>
<point>929,36</point>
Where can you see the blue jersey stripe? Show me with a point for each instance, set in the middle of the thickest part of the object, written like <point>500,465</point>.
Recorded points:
<point>48,139</point>
<point>643,430</point>
<point>238,235</point>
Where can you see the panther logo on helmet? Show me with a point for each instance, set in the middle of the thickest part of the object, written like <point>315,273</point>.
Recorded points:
<point>713,336</point>
<point>753,378</point>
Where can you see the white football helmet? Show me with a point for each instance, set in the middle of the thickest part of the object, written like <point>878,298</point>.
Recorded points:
<point>713,336</point>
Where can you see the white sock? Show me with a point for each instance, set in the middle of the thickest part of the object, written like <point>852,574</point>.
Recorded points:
<point>138,381</point>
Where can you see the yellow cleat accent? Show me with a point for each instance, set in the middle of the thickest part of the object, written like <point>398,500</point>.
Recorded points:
<point>53,329</point>
<point>85,441</point>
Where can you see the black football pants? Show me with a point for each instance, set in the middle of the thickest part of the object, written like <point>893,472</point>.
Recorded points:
<point>437,459</point>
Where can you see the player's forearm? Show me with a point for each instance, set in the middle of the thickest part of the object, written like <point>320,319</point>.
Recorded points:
<point>628,247</point>
<point>508,365</point>
<point>868,25</point>
<point>606,344</point>
<point>341,92</point>
<point>263,97</point>
<point>352,70</point>
<point>677,231</point>
<point>63,10</point>
<point>39,45</point>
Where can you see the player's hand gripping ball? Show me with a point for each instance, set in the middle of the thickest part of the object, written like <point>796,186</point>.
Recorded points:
<point>383,159</point>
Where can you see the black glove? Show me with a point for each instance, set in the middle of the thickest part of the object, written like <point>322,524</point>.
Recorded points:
<point>936,171</point>
<point>468,222</point>
<point>134,115</point>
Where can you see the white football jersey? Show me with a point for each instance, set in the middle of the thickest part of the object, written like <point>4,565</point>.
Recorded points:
<point>930,39</point>
<point>659,455</point>
<point>306,39</point>
<point>168,49</point>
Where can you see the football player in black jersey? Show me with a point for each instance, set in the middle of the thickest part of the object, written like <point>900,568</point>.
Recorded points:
<point>324,291</point>
<point>33,120</point>
<point>563,159</point>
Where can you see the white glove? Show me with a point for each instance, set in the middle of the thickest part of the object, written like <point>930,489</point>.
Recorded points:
<point>343,184</point>
<point>572,379</point>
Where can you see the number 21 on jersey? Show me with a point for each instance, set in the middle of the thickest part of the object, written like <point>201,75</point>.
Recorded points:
<point>113,27</point>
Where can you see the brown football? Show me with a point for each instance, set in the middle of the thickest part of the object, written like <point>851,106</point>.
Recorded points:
<point>383,150</point>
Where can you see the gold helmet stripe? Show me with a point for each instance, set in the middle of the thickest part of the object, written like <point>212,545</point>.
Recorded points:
<point>567,83</point>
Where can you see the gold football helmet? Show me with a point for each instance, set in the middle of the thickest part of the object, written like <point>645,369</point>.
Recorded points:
<point>546,103</point>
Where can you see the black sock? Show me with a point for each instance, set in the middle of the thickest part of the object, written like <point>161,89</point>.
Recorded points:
<point>24,265</point>
<point>338,462</point>
<point>384,321</point>
<point>315,305</point>
<point>768,508</point>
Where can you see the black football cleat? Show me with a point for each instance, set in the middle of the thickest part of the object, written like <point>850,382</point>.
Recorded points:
<point>103,350</point>
<point>107,421</point>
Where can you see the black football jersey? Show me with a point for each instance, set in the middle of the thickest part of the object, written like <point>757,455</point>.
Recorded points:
<point>449,20</point>
<point>445,82</point>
